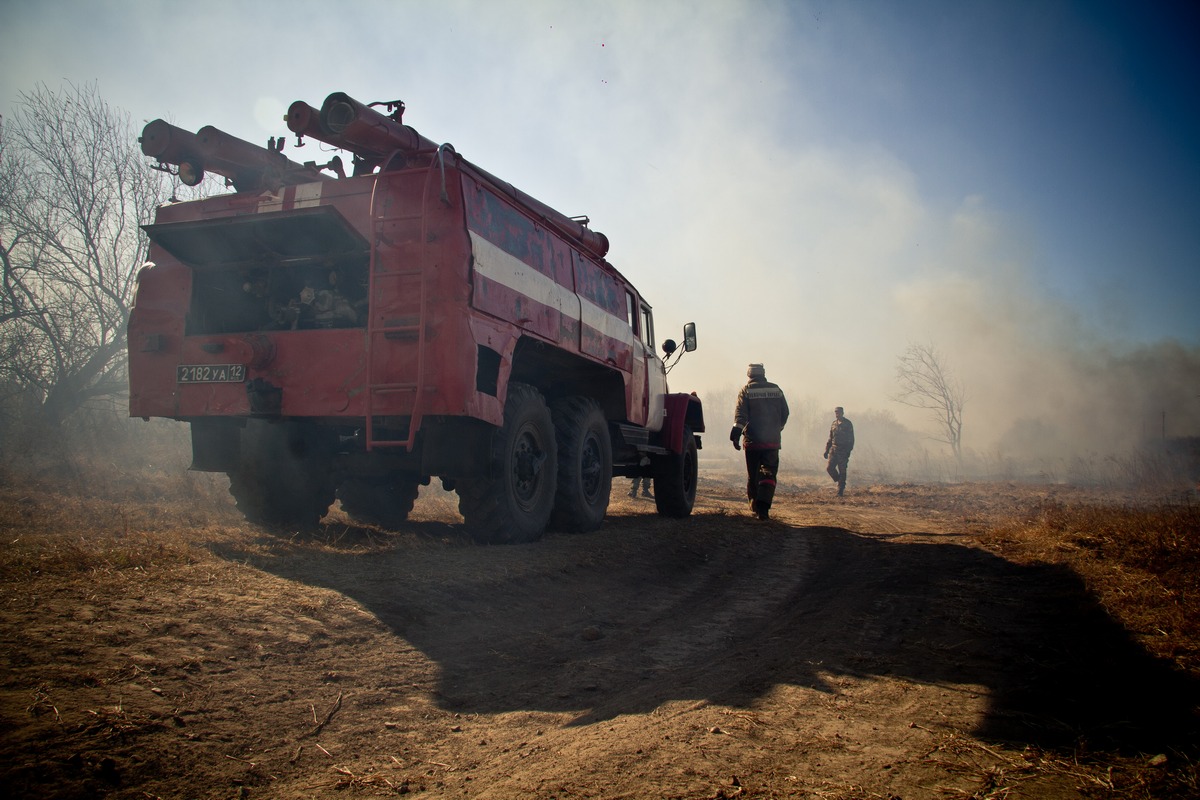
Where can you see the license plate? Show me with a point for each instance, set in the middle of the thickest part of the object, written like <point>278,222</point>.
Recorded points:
<point>210,373</point>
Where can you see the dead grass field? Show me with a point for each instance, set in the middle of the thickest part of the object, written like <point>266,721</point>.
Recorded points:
<point>912,641</point>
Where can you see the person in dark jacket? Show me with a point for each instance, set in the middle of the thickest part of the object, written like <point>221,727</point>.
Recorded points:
<point>761,413</point>
<point>837,449</point>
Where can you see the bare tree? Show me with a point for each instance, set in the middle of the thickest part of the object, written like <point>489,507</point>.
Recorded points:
<point>74,189</point>
<point>926,382</point>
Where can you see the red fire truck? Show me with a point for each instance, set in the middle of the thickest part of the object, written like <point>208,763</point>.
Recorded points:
<point>351,331</point>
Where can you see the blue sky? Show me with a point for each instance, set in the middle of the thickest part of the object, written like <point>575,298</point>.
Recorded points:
<point>816,184</point>
<point>1083,119</point>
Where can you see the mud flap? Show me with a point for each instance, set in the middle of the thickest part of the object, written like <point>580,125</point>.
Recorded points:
<point>216,445</point>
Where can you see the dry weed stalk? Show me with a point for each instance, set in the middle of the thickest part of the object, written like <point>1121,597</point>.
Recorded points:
<point>115,721</point>
<point>337,704</point>
<point>349,780</point>
<point>1000,774</point>
<point>41,702</point>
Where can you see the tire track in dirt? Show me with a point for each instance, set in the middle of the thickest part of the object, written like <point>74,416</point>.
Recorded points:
<point>741,588</point>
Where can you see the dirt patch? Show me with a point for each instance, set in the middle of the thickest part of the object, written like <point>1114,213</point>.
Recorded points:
<point>901,643</point>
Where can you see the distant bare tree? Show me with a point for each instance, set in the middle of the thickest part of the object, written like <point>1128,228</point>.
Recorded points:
<point>74,189</point>
<point>926,382</point>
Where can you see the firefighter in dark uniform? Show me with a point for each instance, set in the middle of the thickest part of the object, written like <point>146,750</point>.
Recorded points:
<point>837,449</point>
<point>761,413</point>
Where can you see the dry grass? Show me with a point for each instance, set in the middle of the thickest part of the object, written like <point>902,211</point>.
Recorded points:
<point>1142,562</point>
<point>76,520</point>
<point>1140,559</point>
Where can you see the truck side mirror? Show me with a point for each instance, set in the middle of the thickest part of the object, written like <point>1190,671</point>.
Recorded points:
<point>669,347</point>
<point>689,337</point>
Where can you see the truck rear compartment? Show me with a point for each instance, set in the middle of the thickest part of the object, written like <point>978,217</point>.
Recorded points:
<point>289,270</point>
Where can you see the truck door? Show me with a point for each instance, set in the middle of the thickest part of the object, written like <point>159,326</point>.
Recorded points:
<point>654,370</point>
<point>638,385</point>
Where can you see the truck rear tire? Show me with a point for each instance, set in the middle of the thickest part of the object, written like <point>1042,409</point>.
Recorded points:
<point>675,476</point>
<point>584,465</point>
<point>385,502</point>
<point>284,476</point>
<point>514,504</point>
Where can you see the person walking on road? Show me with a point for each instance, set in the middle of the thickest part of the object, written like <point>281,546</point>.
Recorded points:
<point>837,449</point>
<point>761,413</point>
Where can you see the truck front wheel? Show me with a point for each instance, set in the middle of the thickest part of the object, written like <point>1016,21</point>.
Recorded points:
<point>675,476</point>
<point>584,465</point>
<point>513,504</point>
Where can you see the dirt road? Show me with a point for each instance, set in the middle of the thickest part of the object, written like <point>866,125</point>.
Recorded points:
<point>872,648</point>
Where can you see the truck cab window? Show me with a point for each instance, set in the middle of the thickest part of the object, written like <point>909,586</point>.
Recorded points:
<point>647,332</point>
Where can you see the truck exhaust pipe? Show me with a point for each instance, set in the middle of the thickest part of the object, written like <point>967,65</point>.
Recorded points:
<point>247,166</point>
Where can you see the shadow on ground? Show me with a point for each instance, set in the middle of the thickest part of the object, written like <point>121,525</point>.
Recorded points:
<point>647,611</point>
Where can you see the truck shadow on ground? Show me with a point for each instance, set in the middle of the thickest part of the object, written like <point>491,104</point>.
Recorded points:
<point>648,611</point>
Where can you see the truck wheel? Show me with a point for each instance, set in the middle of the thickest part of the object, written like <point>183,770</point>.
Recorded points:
<point>584,465</point>
<point>385,502</point>
<point>675,477</point>
<point>285,474</point>
<point>514,504</point>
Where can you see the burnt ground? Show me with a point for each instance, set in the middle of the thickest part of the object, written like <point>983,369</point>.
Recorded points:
<point>891,645</point>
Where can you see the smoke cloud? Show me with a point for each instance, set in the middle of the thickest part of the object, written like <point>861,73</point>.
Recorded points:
<point>759,169</point>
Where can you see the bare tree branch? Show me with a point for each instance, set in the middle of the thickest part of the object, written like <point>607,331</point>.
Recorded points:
<point>74,190</point>
<point>926,382</point>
